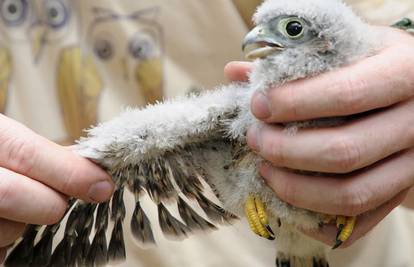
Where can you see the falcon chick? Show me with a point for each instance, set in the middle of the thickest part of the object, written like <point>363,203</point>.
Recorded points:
<point>169,148</point>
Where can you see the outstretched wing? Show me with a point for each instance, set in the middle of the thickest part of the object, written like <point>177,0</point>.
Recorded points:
<point>157,150</point>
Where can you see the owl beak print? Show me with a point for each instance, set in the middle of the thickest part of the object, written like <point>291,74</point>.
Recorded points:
<point>5,72</point>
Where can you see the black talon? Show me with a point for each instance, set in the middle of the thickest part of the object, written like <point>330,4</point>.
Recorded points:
<point>340,228</point>
<point>272,234</point>
<point>337,244</point>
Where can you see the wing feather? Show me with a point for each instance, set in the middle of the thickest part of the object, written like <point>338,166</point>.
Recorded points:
<point>157,150</point>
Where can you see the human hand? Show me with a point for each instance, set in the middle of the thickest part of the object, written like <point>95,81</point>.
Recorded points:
<point>36,178</point>
<point>374,154</point>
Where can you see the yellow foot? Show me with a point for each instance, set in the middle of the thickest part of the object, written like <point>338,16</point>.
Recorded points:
<point>345,227</point>
<point>256,216</point>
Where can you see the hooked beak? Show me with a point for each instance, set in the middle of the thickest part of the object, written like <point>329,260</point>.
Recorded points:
<point>262,42</point>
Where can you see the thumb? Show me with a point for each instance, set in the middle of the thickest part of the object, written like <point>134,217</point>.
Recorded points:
<point>32,155</point>
<point>238,71</point>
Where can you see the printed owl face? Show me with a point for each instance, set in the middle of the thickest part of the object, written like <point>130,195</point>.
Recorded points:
<point>52,24</point>
<point>129,48</point>
<point>39,22</point>
<point>18,17</point>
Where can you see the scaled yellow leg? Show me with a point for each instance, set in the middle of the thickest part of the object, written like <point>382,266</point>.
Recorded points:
<point>345,227</point>
<point>256,216</point>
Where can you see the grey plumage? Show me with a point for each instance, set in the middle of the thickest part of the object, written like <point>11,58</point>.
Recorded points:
<point>167,150</point>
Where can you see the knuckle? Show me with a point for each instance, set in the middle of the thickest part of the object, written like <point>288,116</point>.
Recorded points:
<point>288,192</point>
<point>343,154</point>
<point>20,154</point>
<point>275,152</point>
<point>290,101</point>
<point>68,184</point>
<point>284,101</point>
<point>352,96</point>
<point>352,202</point>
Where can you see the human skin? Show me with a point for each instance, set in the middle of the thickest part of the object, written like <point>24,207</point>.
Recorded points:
<point>373,155</point>
<point>37,177</point>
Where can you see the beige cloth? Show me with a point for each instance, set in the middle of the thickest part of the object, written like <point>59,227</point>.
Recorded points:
<point>194,41</point>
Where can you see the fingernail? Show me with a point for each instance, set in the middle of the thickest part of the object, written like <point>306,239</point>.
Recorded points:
<point>101,191</point>
<point>253,138</point>
<point>260,106</point>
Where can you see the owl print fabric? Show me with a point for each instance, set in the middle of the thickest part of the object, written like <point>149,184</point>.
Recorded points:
<point>69,53</point>
<point>69,64</point>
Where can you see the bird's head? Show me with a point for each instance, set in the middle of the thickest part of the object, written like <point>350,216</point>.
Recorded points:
<point>305,37</point>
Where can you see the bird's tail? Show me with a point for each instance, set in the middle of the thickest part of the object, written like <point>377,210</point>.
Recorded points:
<point>283,261</point>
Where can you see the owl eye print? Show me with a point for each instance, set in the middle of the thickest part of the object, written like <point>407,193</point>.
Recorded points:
<point>16,17</point>
<point>13,12</point>
<point>57,13</point>
<point>103,49</point>
<point>142,47</point>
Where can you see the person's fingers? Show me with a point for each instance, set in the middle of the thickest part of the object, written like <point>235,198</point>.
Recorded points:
<point>27,153</point>
<point>409,200</point>
<point>375,82</point>
<point>3,254</point>
<point>365,223</point>
<point>23,199</point>
<point>348,195</point>
<point>10,231</point>
<point>238,71</point>
<point>337,149</point>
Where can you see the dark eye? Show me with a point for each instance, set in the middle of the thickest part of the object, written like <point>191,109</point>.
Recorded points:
<point>294,28</point>
<point>141,48</point>
<point>13,12</point>
<point>103,49</point>
<point>57,13</point>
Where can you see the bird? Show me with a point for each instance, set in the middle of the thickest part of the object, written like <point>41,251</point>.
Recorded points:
<point>174,150</point>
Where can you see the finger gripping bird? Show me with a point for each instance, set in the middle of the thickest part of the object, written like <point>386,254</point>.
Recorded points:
<point>172,150</point>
